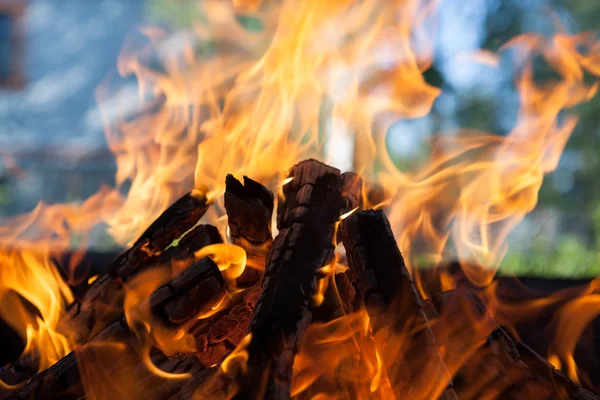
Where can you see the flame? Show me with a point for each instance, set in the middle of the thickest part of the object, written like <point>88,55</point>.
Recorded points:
<point>340,351</point>
<point>33,293</point>
<point>315,75</point>
<point>148,329</point>
<point>33,298</point>
<point>563,346</point>
<point>238,357</point>
<point>479,202</point>
<point>230,259</point>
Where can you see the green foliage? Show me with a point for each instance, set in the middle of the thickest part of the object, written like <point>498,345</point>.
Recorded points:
<point>178,13</point>
<point>251,24</point>
<point>569,257</point>
<point>183,14</point>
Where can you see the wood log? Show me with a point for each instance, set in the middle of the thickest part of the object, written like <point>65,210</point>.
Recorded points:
<point>216,336</point>
<point>181,256</point>
<point>498,365</point>
<point>393,304</point>
<point>179,218</point>
<point>191,293</point>
<point>249,209</point>
<point>347,292</point>
<point>306,220</point>
<point>102,303</point>
<point>546,372</point>
<point>219,334</point>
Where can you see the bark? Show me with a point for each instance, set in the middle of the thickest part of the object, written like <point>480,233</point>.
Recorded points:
<point>190,294</point>
<point>496,365</point>
<point>249,210</point>
<point>391,299</point>
<point>314,201</point>
<point>103,302</point>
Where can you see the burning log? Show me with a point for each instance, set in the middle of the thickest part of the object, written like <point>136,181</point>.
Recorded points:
<point>219,334</point>
<point>169,226</point>
<point>216,337</point>
<point>102,302</point>
<point>101,305</point>
<point>483,359</point>
<point>546,372</point>
<point>306,220</point>
<point>182,255</point>
<point>191,293</point>
<point>339,300</point>
<point>391,299</point>
<point>502,367</point>
<point>249,208</point>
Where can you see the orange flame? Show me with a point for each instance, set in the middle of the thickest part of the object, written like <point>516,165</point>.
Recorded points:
<point>230,259</point>
<point>33,296</point>
<point>151,332</point>
<point>318,74</point>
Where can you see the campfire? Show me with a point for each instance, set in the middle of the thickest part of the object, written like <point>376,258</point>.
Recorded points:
<point>255,269</point>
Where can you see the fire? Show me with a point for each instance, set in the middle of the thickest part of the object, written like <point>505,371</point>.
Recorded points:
<point>33,293</point>
<point>151,332</point>
<point>317,74</point>
<point>230,258</point>
<point>33,296</point>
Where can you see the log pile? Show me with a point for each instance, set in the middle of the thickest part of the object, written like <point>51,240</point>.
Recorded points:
<point>264,315</point>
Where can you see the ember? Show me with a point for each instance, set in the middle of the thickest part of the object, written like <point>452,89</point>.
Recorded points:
<point>300,280</point>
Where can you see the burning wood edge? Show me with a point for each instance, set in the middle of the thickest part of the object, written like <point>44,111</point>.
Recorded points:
<point>266,321</point>
<point>179,218</point>
<point>306,219</point>
<point>249,208</point>
<point>189,294</point>
<point>510,365</point>
<point>392,302</point>
<point>101,305</point>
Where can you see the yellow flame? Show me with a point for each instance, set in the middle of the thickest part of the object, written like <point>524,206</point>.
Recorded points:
<point>150,331</point>
<point>216,308</point>
<point>265,102</point>
<point>347,214</point>
<point>33,296</point>
<point>230,259</point>
<point>238,358</point>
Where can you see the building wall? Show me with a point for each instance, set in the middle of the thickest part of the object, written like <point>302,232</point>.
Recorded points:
<point>52,146</point>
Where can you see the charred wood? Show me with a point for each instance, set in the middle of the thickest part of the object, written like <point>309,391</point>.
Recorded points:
<point>502,367</point>
<point>169,226</point>
<point>188,295</point>
<point>217,335</point>
<point>249,209</point>
<point>102,303</point>
<point>391,299</point>
<point>306,218</point>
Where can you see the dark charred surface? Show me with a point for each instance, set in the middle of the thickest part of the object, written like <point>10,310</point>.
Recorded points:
<point>314,200</point>
<point>390,297</point>
<point>249,209</point>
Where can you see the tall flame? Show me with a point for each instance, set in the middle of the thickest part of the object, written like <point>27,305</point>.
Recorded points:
<point>254,103</point>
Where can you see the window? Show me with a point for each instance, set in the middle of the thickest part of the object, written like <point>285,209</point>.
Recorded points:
<point>11,44</point>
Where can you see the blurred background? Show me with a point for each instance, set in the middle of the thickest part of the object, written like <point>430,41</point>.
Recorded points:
<point>54,53</point>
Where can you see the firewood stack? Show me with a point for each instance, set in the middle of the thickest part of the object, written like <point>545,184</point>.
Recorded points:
<point>278,299</point>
